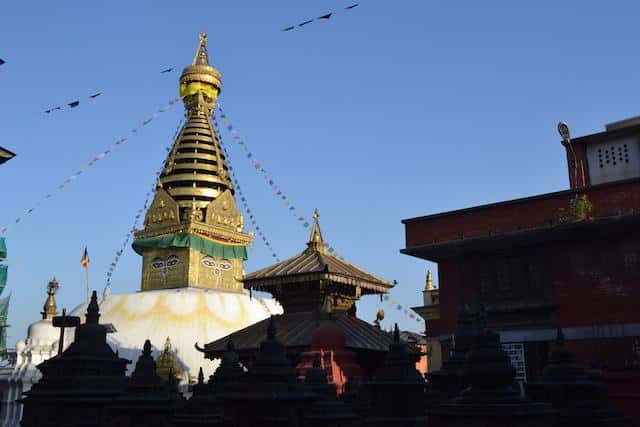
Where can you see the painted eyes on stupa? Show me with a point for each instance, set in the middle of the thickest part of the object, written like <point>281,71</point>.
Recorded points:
<point>158,263</point>
<point>172,260</point>
<point>211,262</point>
<point>208,262</point>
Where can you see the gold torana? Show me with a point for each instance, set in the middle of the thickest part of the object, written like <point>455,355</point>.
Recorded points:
<point>193,234</point>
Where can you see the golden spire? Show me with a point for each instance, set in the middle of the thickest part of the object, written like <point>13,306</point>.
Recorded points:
<point>201,57</point>
<point>316,242</point>
<point>429,282</point>
<point>50,308</point>
<point>196,171</point>
<point>200,83</point>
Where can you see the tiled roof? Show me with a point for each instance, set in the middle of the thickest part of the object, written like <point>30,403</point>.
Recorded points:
<point>294,330</point>
<point>316,263</point>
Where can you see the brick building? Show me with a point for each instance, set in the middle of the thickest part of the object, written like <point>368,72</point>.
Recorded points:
<point>568,259</point>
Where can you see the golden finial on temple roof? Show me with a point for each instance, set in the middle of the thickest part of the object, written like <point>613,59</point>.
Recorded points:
<point>429,286</point>
<point>316,241</point>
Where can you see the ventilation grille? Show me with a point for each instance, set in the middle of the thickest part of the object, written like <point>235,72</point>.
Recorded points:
<point>612,156</point>
<point>613,161</point>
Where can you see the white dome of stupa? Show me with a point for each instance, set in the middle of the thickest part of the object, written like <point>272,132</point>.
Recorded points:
<point>42,333</point>
<point>184,315</point>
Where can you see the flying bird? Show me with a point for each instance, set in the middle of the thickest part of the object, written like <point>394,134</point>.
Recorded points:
<point>305,23</point>
<point>95,95</point>
<point>327,16</point>
<point>2,61</point>
<point>74,104</point>
<point>352,6</point>
<point>288,28</point>
<point>168,70</point>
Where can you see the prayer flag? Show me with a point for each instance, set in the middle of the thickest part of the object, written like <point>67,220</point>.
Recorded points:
<point>84,261</point>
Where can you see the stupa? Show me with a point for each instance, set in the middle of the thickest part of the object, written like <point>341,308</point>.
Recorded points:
<point>40,344</point>
<point>193,244</point>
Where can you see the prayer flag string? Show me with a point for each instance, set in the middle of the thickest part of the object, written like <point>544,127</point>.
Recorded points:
<point>243,198</point>
<point>267,178</point>
<point>402,309</point>
<point>325,17</point>
<point>91,163</point>
<point>148,197</point>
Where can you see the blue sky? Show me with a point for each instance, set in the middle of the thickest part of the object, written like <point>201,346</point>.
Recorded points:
<point>388,111</point>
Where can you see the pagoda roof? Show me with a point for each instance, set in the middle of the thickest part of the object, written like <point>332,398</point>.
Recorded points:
<point>316,263</point>
<point>294,331</point>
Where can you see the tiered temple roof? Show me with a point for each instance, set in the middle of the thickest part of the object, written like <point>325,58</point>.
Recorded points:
<point>315,263</point>
<point>302,284</point>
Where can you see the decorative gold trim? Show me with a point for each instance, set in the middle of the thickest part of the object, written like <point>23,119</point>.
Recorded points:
<point>177,177</point>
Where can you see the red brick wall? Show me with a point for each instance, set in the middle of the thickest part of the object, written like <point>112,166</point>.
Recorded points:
<point>597,283</point>
<point>450,277</point>
<point>607,200</point>
<point>602,353</point>
<point>594,283</point>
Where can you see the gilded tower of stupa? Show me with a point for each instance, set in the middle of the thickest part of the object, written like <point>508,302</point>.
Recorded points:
<point>193,231</point>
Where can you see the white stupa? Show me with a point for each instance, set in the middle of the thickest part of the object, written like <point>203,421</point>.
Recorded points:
<point>184,315</point>
<point>193,247</point>
<point>41,344</point>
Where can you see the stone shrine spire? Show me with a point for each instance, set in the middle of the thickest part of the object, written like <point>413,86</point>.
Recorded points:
<point>193,231</point>
<point>50,308</point>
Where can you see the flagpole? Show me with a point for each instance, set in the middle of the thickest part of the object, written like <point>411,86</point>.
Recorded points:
<point>87,279</point>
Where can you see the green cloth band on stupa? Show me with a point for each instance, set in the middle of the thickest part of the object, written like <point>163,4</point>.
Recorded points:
<point>3,248</point>
<point>186,240</point>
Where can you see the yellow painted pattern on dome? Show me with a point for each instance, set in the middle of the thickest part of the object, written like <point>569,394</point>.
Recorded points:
<point>188,89</point>
<point>187,315</point>
<point>181,308</point>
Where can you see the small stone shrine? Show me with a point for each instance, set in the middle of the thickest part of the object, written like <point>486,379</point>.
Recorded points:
<point>397,390</point>
<point>491,398</point>
<point>326,409</point>
<point>77,385</point>
<point>580,400</point>
<point>449,381</point>
<point>270,394</point>
<point>202,409</point>
<point>149,400</point>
